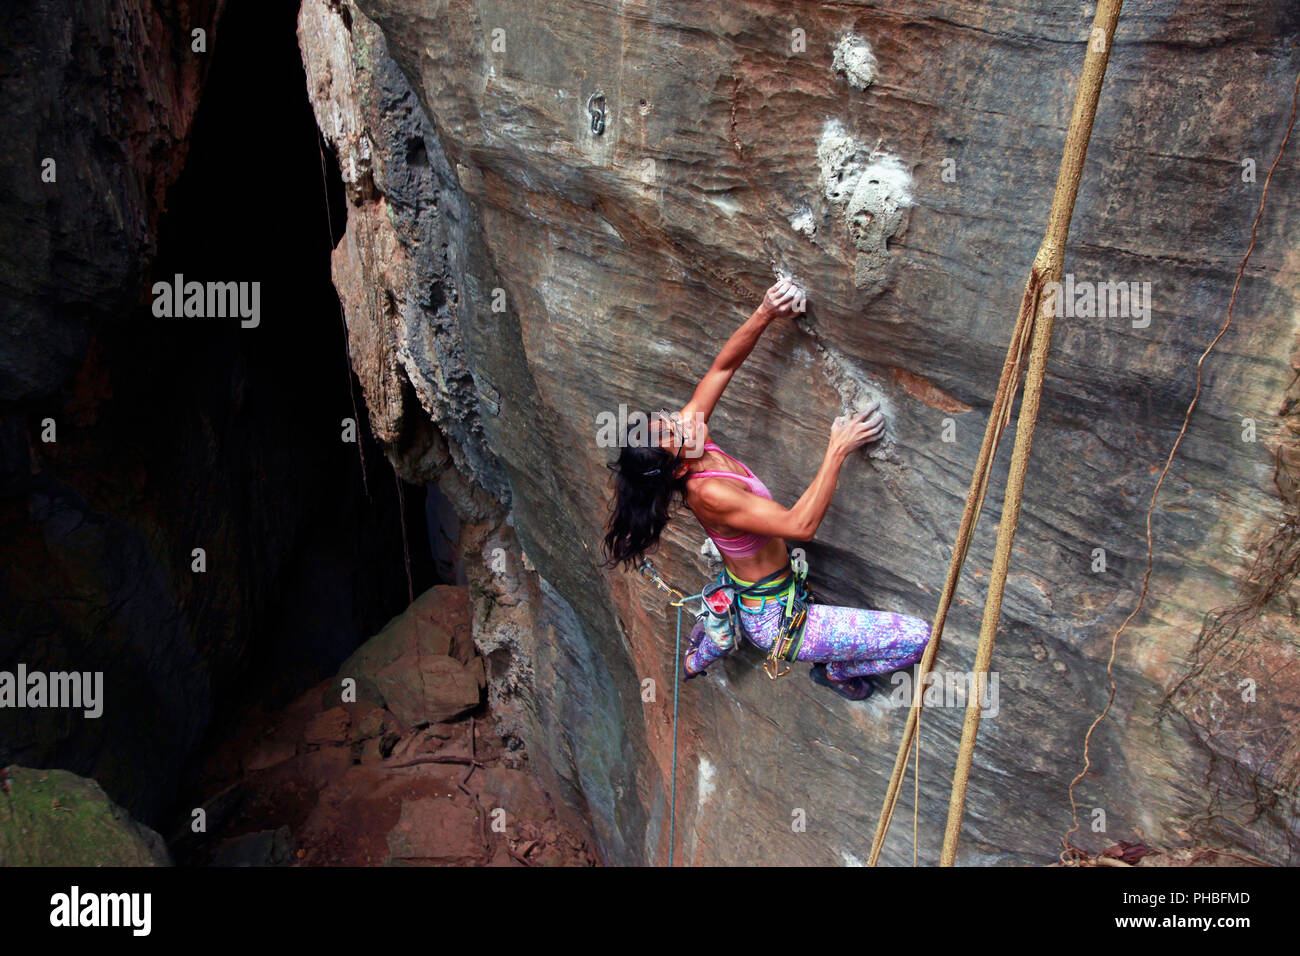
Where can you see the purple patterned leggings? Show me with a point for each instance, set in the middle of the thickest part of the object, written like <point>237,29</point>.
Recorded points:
<point>854,642</point>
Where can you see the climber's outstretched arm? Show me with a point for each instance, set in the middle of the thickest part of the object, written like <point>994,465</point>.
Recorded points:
<point>722,503</point>
<point>782,300</point>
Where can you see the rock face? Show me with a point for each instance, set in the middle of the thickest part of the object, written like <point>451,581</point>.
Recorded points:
<point>558,209</point>
<point>402,273</point>
<point>102,100</point>
<point>106,93</point>
<point>55,818</point>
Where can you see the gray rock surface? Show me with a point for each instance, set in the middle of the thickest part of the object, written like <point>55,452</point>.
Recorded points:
<point>910,208</point>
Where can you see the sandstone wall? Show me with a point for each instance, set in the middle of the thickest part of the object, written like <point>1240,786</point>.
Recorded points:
<point>899,161</point>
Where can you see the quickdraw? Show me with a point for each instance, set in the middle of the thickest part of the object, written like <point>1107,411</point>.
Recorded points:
<point>648,570</point>
<point>596,110</point>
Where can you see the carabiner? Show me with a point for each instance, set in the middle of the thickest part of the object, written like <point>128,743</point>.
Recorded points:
<point>772,668</point>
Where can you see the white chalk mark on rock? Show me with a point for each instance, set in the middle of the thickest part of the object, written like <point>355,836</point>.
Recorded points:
<point>853,58</point>
<point>873,190</point>
<point>802,221</point>
<point>708,773</point>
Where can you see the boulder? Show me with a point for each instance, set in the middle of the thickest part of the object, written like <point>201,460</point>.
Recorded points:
<point>443,831</point>
<point>406,667</point>
<point>56,818</point>
<point>330,727</point>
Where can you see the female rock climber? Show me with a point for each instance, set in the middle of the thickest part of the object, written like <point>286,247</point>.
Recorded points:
<point>847,645</point>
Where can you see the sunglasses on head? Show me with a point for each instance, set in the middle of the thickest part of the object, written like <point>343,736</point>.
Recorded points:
<point>681,439</point>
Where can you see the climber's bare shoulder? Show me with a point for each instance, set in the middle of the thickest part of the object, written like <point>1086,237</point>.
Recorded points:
<point>730,509</point>
<point>714,499</point>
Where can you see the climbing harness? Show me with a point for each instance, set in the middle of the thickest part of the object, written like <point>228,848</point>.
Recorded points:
<point>794,619</point>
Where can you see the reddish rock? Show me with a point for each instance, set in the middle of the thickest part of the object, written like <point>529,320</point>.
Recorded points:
<point>269,753</point>
<point>420,689</point>
<point>514,791</point>
<point>407,665</point>
<point>371,790</point>
<point>502,857</point>
<point>373,724</point>
<point>330,727</point>
<point>444,831</point>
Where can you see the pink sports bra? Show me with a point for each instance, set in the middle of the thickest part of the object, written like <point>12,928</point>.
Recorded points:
<point>749,543</point>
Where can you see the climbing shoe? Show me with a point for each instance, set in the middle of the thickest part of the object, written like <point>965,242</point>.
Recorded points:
<point>692,645</point>
<point>856,688</point>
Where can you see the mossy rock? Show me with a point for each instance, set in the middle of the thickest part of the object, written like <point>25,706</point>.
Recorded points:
<point>56,818</point>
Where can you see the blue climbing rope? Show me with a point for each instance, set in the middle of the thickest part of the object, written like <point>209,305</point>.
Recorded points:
<point>649,571</point>
<point>677,683</point>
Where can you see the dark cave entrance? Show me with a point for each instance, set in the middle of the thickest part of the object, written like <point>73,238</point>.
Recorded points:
<point>199,534</point>
<point>250,205</point>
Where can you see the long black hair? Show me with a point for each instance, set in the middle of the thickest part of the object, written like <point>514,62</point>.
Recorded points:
<point>644,489</point>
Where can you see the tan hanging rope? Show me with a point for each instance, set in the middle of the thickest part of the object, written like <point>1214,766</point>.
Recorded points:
<point>1036,319</point>
<point>999,416</point>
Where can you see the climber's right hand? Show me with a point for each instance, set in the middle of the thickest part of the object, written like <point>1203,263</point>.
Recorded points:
<point>784,299</point>
<point>850,432</point>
